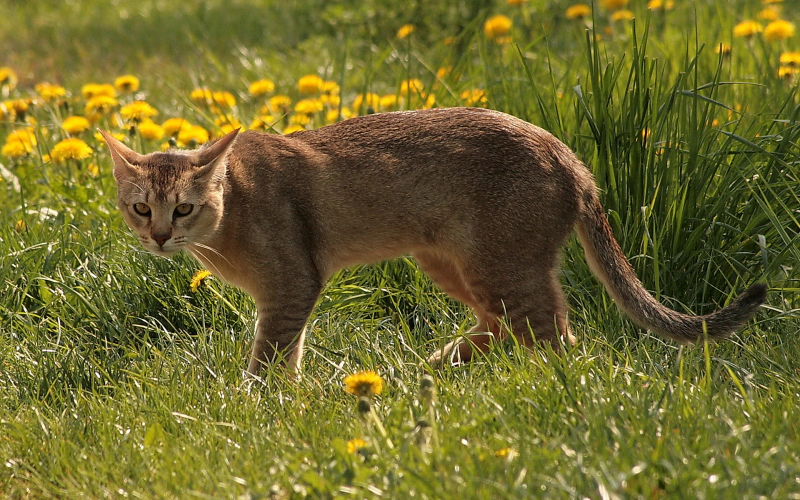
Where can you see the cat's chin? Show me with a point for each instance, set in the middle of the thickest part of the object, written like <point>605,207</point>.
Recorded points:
<point>162,252</point>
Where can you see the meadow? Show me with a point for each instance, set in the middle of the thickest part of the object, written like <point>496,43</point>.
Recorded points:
<point>121,373</point>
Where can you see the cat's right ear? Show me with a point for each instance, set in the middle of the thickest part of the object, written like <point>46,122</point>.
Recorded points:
<point>125,159</point>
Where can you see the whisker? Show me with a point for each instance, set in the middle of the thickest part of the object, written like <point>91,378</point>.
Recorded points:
<point>208,261</point>
<point>213,250</point>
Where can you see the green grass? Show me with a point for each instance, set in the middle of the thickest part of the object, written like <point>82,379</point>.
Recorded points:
<point>116,380</point>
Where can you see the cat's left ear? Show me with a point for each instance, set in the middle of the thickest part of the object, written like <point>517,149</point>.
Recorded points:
<point>211,159</point>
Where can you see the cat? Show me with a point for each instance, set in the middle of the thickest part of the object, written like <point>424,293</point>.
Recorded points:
<point>482,200</point>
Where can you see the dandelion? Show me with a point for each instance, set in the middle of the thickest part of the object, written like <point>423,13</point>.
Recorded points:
<point>369,100</point>
<point>788,71</point>
<point>790,58</point>
<point>414,86</point>
<point>364,384</point>
<point>50,92</point>
<point>16,108</point>
<point>747,29</point>
<point>74,125</point>
<point>93,169</point>
<point>192,135</point>
<point>310,84</point>
<point>174,125</point>
<point>70,149</point>
<point>291,129</point>
<point>724,49</point>
<point>768,14</point>
<point>614,4</point>
<point>279,103</point>
<point>497,27</point>
<point>473,97</point>
<point>578,11</point>
<point>330,100</point>
<point>202,95</point>
<point>24,135</point>
<point>198,279</point>
<point>263,122</point>
<point>8,79</point>
<point>622,15</point>
<point>405,30</point>
<point>515,3</point>
<point>224,98</point>
<point>778,30</point>
<point>20,226</point>
<point>127,84</point>
<point>261,87</point>
<point>388,102</point>
<point>116,135</point>
<point>356,444</point>
<point>99,105</point>
<point>330,87</point>
<point>150,130</point>
<point>92,90</point>
<point>137,111</point>
<point>507,453</point>
<point>660,5</point>
<point>300,119</point>
<point>308,106</point>
<point>15,149</point>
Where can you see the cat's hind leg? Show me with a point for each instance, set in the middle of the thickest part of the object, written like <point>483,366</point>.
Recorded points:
<point>446,274</point>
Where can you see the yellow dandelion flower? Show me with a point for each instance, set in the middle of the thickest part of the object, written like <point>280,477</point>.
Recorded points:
<point>768,14</point>
<point>174,125</point>
<point>20,226</point>
<point>192,135</point>
<point>508,453</point>
<point>778,30</point>
<point>330,87</point>
<point>473,97</point>
<point>788,71</point>
<point>127,84</point>
<point>198,279</point>
<point>16,107</point>
<point>369,100</point>
<point>515,3</point>
<point>746,29</point>
<point>70,149</point>
<point>278,103</point>
<point>497,26</point>
<point>291,129</point>
<point>388,102</point>
<point>263,122</point>
<point>790,58</point>
<point>430,102</point>
<point>92,90</point>
<point>723,48</point>
<point>578,11</point>
<point>310,84</point>
<point>74,125</point>
<point>261,87</point>
<point>93,169</point>
<point>24,135</point>
<point>224,98</point>
<point>116,135</point>
<point>405,30</point>
<point>414,86</point>
<point>227,119</point>
<point>364,384</point>
<point>151,131</point>
<point>202,95</point>
<point>355,444</point>
<point>227,129</point>
<point>660,5</point>
<point>8,78</point>
<point>622,15</point>
<point>330,100</point>
<point>50,92</point>
<point>614,4</point>
<point>16,149</point>
<point>300,119</point>
<point>100,105</point>
<point>308,106</point>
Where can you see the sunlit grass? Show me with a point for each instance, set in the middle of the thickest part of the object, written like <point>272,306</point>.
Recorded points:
<point>122,373</point>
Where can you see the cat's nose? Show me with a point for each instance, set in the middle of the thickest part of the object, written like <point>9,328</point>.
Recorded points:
<point>160,238</point>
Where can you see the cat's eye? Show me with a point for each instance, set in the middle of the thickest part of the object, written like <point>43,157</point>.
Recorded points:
<point>141,209</point>
<point>183,209</point>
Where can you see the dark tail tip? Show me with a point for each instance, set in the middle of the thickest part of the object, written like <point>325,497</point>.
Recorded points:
<point>755,295</point>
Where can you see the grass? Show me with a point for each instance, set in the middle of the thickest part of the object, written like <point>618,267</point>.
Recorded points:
<point>118,381</point>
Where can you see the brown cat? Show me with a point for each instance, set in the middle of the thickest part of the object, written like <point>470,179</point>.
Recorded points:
<point>483,201</point>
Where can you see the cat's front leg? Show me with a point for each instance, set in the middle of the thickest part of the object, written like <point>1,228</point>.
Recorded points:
<point>280,330</point>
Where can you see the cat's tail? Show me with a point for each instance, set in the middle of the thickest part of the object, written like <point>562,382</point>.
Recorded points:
<point>607,261</point>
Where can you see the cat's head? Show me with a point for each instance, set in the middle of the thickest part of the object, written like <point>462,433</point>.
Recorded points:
<point>172,200</point>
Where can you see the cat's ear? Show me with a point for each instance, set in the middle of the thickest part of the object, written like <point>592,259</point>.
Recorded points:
<point>124,158</point>
<point>211,159</point>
